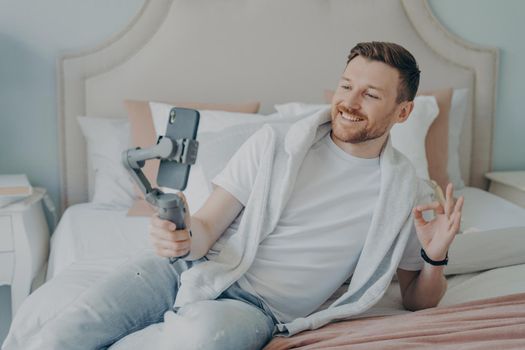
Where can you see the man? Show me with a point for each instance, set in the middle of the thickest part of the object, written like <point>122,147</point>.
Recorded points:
<point>299,209</point>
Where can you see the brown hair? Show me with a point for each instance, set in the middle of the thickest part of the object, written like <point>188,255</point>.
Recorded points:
<point>397,57</point>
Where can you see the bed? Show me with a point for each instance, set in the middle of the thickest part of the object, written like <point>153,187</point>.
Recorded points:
<point>248,62</point>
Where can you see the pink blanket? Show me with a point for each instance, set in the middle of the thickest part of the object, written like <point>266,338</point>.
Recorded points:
<point>496,323</point>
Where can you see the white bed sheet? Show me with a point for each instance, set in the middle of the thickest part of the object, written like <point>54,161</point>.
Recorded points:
<point>91,232</point>
<point>91,241</point>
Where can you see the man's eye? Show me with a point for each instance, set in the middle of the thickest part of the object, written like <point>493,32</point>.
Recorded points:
<point>346,87</point>
<point>372,96</point>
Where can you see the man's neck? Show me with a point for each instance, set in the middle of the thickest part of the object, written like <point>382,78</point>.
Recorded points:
<point>368,149</point>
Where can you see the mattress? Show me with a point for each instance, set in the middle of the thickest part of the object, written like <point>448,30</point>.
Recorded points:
<point>91,231</point>
<point>91,241</point>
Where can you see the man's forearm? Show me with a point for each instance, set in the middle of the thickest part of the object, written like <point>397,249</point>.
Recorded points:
<point>200,240</point>
<point>426,290</point>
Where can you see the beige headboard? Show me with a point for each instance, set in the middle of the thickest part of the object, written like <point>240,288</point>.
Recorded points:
<point>271,51</point>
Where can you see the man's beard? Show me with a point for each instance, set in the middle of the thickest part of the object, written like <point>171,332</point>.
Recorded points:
<point>357,133</point>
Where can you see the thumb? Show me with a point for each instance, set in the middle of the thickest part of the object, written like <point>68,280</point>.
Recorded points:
<point>181,195</point>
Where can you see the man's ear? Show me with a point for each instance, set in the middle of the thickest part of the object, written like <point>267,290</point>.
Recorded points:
<point>404,111</point>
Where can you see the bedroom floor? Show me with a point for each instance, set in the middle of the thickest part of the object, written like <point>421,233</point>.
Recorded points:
<point>5,315</point>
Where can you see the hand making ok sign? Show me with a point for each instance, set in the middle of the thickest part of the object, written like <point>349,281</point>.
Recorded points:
<point>437,234</point>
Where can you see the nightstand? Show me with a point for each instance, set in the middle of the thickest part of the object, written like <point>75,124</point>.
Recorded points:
<point>509,185</point>
<point>24,245</point>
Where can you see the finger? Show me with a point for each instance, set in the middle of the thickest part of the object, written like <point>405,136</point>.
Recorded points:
<point>179,252</point>
<point>455,218</point>
<point>159,236</point>
<point>181,195</point>
<point>451,220</point>
<point>166,244</point>
<point>456,222</point>
<point>430,206</point>
<point>168,253</point>
<point>187,216</point>
<point>418,217</point>
<point>163,224</point>
<point>164,230</point>
<point>162,253</point>
<point>459,205</point>
<point>163,244</point>
<point>449,199</point>
<point>156,221</point>
<point>173,236</point>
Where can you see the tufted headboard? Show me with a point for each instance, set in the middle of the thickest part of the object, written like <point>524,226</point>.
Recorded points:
<point>271,51</point>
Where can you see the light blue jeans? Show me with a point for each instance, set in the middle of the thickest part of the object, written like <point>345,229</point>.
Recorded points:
<point>141,293</point>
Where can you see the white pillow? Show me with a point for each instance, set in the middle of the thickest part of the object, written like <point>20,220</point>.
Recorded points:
<point>484,250</point>
<point>210,120</point>
<point>106,139</point>
<point>483,211</point>
<point>217,148</point>
<point>199,185</point>
<point>409,137</point>
<point>298,108</point>
<point>457,116</point>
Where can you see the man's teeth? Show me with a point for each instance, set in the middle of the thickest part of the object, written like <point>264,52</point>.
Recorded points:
<point>351,118</point>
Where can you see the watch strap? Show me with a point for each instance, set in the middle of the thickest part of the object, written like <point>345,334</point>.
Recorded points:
<point>434,262</point>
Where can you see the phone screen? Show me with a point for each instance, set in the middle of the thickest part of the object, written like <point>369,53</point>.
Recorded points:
<point>182,123</point>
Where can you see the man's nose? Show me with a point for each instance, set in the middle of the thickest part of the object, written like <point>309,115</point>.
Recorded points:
<point>352,100</point>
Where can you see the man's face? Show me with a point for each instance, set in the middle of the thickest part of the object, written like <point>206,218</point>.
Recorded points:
<point>364,104</point>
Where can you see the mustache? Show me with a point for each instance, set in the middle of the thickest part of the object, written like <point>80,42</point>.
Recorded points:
<point>352,112</point>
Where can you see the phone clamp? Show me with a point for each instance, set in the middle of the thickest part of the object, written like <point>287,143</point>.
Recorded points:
<point>169,206</point>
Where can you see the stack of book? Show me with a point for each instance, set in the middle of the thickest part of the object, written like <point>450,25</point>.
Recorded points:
<point>14,188</point>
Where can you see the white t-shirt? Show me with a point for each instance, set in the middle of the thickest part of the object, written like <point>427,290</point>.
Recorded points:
<point>321,232</point>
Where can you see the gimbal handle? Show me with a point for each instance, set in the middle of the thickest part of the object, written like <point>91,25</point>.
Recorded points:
<point>169,206</point>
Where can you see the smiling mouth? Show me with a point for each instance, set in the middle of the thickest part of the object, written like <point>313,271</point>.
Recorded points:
<point>350,118</point>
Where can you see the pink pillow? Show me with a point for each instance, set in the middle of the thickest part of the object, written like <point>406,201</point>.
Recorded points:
<point>436,143</point>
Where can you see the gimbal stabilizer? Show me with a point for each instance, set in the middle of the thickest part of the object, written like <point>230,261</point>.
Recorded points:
<point>183,151</point>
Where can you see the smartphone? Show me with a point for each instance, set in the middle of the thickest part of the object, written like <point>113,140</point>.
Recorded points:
<point>183,123</point>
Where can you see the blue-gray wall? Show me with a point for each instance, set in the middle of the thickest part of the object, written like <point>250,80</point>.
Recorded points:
<point>500,24</point>
<point>33,33</point>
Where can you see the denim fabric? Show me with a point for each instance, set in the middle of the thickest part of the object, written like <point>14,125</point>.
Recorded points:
<point>142,292</point>
<point>237,293</point>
